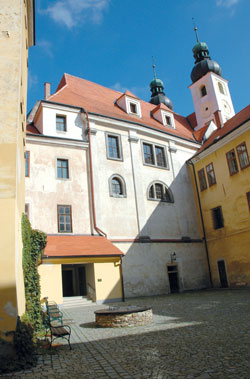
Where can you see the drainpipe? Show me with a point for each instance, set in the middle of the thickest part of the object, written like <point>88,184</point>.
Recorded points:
<point>203,225</point>
<point>121,275</point>
<point>99,231</point>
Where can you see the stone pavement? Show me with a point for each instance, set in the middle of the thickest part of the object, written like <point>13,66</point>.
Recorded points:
<point>204,334</point>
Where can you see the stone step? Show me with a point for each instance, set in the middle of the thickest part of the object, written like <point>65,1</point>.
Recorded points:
<point>76,301</point>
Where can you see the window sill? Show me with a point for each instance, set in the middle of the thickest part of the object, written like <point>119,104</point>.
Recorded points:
<point>155,166</point>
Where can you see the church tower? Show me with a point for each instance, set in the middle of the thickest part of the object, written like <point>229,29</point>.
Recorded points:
<point>210,92</point>
<point>158,96</point>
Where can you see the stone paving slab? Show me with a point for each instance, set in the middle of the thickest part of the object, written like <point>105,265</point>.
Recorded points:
<point>203,335</point>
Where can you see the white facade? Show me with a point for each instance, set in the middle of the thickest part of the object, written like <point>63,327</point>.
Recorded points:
<point>147,230</point>
<point>215,97</point>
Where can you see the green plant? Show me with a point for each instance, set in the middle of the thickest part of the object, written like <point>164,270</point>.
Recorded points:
<point>34,242</point>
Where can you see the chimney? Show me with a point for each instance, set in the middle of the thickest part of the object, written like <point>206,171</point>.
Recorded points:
<point>218,119</point>
<point>47,90</point>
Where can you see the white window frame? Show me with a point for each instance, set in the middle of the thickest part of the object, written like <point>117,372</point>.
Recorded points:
<point>165,114</point>
<point>153,144</point>
<point>136,103</point>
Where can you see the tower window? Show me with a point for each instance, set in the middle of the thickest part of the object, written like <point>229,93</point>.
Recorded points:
<point>248,199</point>
<point>221,88</point>
<point>203,91</point>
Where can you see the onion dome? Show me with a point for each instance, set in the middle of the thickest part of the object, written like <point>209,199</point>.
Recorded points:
<point>158,96</point>
<point>203,62</point>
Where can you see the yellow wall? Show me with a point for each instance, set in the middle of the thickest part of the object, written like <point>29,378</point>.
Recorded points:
<point>232,241</point>
<point>107,281</point>
<point>104,277</point>
<point>13,89</point>
<point>51,282</point>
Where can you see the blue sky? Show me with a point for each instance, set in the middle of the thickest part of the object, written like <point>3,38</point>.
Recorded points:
<point>111,42</point>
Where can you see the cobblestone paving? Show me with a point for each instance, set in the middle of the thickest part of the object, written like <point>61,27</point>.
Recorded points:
<point>203,335</point>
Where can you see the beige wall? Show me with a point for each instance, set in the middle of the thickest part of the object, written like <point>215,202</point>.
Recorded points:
<point>44,191</point>
<point>13,88</point>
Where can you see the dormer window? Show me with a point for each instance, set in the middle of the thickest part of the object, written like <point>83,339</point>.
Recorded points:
<point>203,91</point>
<point>133,107</point>
<point>167,119</point>
<point>129,103</point>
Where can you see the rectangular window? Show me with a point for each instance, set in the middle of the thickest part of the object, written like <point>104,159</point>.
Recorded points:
<point>160,157</point>
<point>148,154</point>
<point>168,120</point>
<point>27,163</point>
<point>232,162</point>
<point>210,174</point>
<point>202,179</point>
<point>62,168</point>
<point>133,108</point>
<point>154,155</point>
<point>61,123</point>
<point>113,146</point>
<point>243,155</point>
<point>248,200</point>
<point>218,221</point>
<point>64,218</point>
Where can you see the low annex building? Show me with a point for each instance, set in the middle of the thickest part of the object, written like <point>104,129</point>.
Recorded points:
<point>106,166</point>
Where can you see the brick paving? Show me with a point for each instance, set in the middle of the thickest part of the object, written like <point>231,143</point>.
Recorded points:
<point>204,334</point>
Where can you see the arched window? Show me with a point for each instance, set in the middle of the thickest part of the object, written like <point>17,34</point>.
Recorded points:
<point>159,191</point>
<point>117,186</point>
<point>203,91</point>
<point>221,88</point>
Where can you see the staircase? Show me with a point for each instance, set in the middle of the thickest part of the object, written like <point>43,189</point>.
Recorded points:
<point>76,302</point>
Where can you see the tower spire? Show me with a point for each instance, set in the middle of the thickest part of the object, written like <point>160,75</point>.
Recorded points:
<point>195,30</point>
<point>153,65</point>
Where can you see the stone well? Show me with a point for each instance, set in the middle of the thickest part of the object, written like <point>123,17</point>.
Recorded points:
<point>118,317</point>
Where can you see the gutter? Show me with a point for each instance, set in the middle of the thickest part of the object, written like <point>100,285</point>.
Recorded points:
<point>99,231</point>
<point>203,225</point>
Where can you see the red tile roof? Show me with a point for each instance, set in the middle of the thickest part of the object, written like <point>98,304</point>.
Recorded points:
<point>230,125</point>
<point>79,246</point>
<point>101,100</point>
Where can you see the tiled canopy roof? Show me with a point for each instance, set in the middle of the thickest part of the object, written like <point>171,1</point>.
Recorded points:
<point>79,246</point>
<point>95,98</point>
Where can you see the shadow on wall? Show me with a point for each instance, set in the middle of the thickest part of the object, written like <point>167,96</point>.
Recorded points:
<point>8,311</point>
<point>168,228</point>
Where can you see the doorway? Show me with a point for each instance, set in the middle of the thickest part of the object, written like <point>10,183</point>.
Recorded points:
<point>173,278</point>
<point>74,280</point>
<point>222,273</point>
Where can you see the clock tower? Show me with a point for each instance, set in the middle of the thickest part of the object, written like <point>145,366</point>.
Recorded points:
<point>210,92</point>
